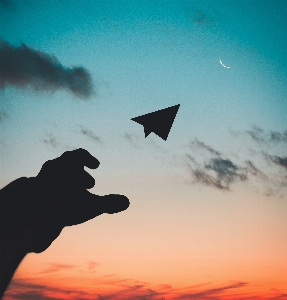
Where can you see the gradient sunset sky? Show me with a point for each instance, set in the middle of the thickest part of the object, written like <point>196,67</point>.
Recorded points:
<point>208,212</point>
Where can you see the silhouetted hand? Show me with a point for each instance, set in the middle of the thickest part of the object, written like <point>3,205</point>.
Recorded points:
<point>35,210</point>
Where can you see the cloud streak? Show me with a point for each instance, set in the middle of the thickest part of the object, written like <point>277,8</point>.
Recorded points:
<point>121,289</point>
<point>216,172</point>
<point>211,292</point>
<point>198,145</point>
<point>279,161</point>
<point>56,267</point>
<point>51,140</point>
<point>260,136</point>
<point>210,167</point>
<point>132,139</point>
<point>24,67</point>
<point>91,135</point>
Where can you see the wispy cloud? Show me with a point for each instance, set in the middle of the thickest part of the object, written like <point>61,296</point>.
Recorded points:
<point>217,172</point>
<point>26,67</point>
<point>268,150</point>
<point>213,168</point>
<point>91,135</point>
<point>206,294</point>
<point>252,169</point>
<point>279,161</point>
<point>126,289</point>
<point>20,289</point>
<point>51,140</point>
<point>57,267</point>
<point>261,136</point>
<point>92,265</point>
<point>196,144</point>
<point>132,139</point>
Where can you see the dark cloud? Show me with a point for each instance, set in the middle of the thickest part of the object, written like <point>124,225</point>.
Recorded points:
<point>56,267</point>
<point>217,172</point>
<point>203,177</point>
<point>25,67</point>
<point>279,161</point>
<point>128,289</point>
<point>212,168</point>
<point>226,171</point>
<point>260,136</point>
<point>33,295</point>
<point>91,135</point>
<point>210,292</point>
<point>51,140</point>
<point>19,289</point>
<point>257,134</point>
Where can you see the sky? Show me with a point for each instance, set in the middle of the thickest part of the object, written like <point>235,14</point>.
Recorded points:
<point>207,215</point>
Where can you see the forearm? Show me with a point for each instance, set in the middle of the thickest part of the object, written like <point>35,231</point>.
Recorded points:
<point>15,233</point>
<point>11,255</point>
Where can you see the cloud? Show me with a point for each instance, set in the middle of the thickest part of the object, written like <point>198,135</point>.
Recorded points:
<point>21,289</point>
<point>56,267</point>
<point>217,172</point>
<point>226,171</point>
<point>212,168</point>
<point>92,266</point>
<point>260,136</point>
<point>279,161</point>
<point>202,177</point>
<point>120,289</point>
<point>26,67</point>
<point>252,169</point>
<point>34,295</point>
<point>91,135</point>
<point>206,293</point>
<point>132,139</point>
<point>51,140</point>
<point>196,144</point>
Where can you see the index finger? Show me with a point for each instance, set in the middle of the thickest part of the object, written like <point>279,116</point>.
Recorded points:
<point>81,157</point>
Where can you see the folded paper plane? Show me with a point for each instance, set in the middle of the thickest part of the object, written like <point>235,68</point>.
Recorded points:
<point>159,122</point>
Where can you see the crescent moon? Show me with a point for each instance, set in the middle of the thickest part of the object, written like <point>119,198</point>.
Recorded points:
<point>223,64</point>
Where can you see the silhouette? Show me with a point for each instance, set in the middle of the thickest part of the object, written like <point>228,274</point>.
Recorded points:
<point>35,210</point>
<point>159,121</point>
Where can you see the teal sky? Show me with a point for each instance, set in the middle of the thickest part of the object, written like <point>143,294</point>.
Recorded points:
<point>144,56</point>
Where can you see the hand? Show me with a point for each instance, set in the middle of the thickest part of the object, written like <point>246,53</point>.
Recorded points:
<point>38,208</point>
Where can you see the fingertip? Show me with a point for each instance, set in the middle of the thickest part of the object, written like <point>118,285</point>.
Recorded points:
<point>83,157</point>
<point>115,203</point>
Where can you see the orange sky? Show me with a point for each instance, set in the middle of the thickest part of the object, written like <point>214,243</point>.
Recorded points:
<point>239,253</point>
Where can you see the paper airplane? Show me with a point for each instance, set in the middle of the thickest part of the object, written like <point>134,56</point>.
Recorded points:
<point>159,121</point>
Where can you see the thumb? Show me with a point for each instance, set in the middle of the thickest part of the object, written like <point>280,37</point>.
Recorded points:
<point>114,203</point>
<point>91,206</point>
